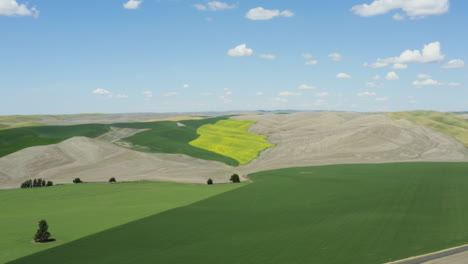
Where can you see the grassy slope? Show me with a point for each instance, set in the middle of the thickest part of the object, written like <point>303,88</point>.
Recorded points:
<point>446,123</point>
<point>167,137</point>
<point>12,140</point>
<point>362,214</point>
<point>231,138</point>
<point>75,211</point>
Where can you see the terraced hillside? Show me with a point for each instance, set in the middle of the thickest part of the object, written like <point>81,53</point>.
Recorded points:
<point>232,139</point>
<point>447,123</point>
<point>337,214</point>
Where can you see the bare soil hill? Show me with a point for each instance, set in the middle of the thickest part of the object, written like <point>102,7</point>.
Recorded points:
<point>302,139</point>
<point>97,161</point>
<point>308,139</point>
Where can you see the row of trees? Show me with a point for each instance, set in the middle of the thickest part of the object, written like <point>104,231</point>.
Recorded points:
<point>234,178</point>
<point>42,183</point>
<point>36,183</point>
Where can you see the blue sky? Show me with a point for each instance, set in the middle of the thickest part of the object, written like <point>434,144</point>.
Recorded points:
<point>114,56</point>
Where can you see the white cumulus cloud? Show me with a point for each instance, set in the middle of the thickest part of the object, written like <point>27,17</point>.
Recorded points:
<point>432,82</point>
<point>430,53</point>
<point>260,13</point>
<point>214,6</point>
<point>311,63</point>
<point>454,64</point>
<point>186,86</point>
<point>343,76</point>
<point>412,8</point>
<point>392,76</point>
<point>335,56</point>
<point>240,51</point>
<point>12,8</point>
<point>307,56</point>
<point>101,91</point>
<point>132,4</point>
<point>148,94</point>
<point>306,87</point>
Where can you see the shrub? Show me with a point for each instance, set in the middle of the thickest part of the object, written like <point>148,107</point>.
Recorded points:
<point>209,182</point>
<point>235,178</point>
<point>42,234</point>
<point>77,180</point>
<point>49,183</point>
<point>112,180</point>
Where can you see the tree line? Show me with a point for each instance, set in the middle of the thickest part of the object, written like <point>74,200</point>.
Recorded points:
<point>36,183</point>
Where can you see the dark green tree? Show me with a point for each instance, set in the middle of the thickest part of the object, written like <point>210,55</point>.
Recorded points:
<point>42,235</point>
<point>49,183</point>
<point>34,183</point>
<point>235,178</point>
<point>209,182</point>
<point>112,180</point>
<point>77,180</point>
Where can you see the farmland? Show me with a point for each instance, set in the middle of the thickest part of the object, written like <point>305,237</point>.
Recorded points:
<point>75,211</point>
<point>232,139</point>
<point>447,123</point>
<point>160,137</point>
<point>12,140</point>
<point>168,137</point>
<point>330,214</point>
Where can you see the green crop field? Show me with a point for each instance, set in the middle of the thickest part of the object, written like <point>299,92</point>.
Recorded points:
<point>168,137</point>
<point>363,214</point>
<point>161,137</point>
<point>14,139</point>
<point>232,139</point>
<point>75,211</point>
<point>446,123</point>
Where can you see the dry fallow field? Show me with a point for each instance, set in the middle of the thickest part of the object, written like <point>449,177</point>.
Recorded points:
<point>302,139</point>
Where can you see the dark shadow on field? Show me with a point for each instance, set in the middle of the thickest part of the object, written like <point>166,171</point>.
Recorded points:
<point>359,213</point>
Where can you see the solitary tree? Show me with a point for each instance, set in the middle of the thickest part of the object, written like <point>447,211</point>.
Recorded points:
<point>112,180</point>
<point>77,180</point>
<point>235,178</point>
<point>209,182</point>
<point>42,235</point>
